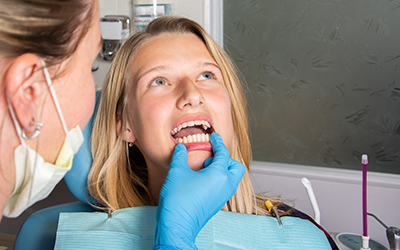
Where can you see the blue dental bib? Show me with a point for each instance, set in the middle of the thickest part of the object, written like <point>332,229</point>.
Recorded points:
<point>134,228</point>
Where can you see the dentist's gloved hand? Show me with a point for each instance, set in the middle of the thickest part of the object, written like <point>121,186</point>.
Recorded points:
<point>188,199</point>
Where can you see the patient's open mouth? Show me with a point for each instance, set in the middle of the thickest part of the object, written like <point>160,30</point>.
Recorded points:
<point>193,131</point>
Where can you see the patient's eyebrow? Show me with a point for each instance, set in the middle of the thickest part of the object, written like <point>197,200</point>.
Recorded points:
<point>207,64</point>
<point>155,69</point>
<point>159,68</point>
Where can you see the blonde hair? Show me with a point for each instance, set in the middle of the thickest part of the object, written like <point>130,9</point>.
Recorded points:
<point>117,182</point>
<point>50,29</point>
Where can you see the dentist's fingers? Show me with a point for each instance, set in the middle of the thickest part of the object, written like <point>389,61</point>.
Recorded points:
<point>221,153</point>
<point>236,170</point>
<point>218,145</point>
<point>208,162</point>
<point>179,157</point>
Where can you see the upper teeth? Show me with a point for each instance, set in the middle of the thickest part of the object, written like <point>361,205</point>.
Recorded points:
<point>205,125</point>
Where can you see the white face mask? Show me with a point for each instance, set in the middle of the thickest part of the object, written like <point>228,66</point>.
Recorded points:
<point>35,178</point>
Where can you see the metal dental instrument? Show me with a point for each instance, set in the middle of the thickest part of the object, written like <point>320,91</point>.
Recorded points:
<point>392,233</point>
<point>273,210</point>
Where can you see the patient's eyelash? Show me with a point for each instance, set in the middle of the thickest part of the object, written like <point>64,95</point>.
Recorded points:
<point>94,69</point>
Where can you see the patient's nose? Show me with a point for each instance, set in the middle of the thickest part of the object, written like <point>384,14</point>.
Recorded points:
<point>190,95</point>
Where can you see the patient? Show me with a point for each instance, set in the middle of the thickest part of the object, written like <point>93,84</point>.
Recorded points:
<point>169,84</point>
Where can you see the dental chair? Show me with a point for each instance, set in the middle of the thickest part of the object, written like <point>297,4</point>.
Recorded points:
<point>39,230</point>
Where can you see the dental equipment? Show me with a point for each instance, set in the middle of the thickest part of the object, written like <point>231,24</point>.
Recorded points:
<point>392,234</point>
<point>313,200</point>
<point>273,210</point>
<point>115,29</point>
<point>365,237</point>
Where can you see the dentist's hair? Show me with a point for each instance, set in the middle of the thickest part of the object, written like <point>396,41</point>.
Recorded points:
<point>118,176</point>
<point>50,29</point>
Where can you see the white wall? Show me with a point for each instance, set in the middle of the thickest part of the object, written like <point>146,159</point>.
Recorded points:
<point>338,193</point>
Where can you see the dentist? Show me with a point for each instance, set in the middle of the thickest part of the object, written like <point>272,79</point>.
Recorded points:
<point>47,96</point>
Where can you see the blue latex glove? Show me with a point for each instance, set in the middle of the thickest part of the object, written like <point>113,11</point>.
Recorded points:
<point>188,199</point>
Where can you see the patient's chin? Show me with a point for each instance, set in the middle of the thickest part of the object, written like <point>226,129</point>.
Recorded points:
<point>197,158</point>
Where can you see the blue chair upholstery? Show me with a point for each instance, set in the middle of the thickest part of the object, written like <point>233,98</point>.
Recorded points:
<point>39,230</point>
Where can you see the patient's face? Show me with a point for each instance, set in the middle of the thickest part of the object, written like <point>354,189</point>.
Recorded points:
<point>177,95</point>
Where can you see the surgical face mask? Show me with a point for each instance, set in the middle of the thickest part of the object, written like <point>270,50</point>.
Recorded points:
<point>35,178</point>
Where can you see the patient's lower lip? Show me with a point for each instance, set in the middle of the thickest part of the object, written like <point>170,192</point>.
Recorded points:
<point>206,146</point>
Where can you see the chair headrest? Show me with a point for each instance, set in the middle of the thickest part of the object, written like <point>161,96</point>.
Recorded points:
<point>76,178</point>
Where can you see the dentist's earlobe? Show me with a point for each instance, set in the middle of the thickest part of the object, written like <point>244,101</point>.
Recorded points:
<point>25,87</point>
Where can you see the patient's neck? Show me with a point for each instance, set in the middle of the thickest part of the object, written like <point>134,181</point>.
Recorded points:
<point>155,182</point>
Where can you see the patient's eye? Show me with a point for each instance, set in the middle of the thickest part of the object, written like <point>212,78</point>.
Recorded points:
<point>206,76</point>
<point>158,82</point>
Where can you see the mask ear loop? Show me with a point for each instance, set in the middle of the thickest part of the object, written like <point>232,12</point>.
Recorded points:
<point>55,100</point>
<point>53,94</point>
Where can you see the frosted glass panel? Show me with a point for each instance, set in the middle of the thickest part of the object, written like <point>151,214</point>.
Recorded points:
<point>323,79</point>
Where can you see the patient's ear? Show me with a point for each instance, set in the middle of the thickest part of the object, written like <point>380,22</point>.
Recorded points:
<point>26,87</point>
<point>126,132</point>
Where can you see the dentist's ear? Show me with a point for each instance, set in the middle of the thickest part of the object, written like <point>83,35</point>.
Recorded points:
<point>25,86</point>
